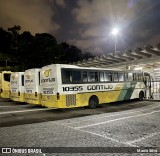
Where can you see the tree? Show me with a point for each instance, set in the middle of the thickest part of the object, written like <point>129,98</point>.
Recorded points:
<point>87,55</point>
<point>25,48</point>
<point>14,31</point>
<point>25,51</point>
<point>5,40</point>
<point>71,53</point>
<point>45,50</point>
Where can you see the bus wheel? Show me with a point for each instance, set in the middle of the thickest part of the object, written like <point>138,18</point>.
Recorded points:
<point>93,102</point>
<point>141,95</point>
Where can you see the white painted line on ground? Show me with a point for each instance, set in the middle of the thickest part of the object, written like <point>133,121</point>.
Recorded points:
<point>143,138</point>
<point>5,106</point>
<point>100,123</point>
<point>107,116</point>
<point>99,135</point>
<point>109,138</point>
<point>23,111</point>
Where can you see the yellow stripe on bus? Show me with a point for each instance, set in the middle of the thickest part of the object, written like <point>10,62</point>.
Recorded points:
<point>15,97</point>
<point>31,99</point>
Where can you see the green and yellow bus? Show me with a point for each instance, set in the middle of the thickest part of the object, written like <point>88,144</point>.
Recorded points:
<point>68,86</point>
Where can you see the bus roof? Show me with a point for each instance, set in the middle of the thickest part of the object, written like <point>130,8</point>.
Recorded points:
<point>78,67</point>
<point>18,72</point>
<point>5,72</point>
<point>33,69</point>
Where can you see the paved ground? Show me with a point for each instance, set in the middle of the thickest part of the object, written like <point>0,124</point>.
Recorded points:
<point>125,124</point>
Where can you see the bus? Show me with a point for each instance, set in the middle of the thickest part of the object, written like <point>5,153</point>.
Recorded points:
<point>17,86</point>
<point>32,86</point>
<point>5,84</point>
<point>68,86</point>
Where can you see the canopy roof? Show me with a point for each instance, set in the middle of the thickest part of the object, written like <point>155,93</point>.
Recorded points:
<point>148,57</point>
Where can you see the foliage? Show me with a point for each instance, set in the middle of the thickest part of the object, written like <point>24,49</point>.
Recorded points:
<point>24,51</point>
<point>5,41</point>
<point>9,68</point>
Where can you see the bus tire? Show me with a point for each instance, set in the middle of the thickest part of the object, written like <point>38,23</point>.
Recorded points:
<point>93,102</point>
<point>141,95</point>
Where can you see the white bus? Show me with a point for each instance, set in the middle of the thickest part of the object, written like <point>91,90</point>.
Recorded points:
<point>67,86</point>
<point>17,86</point>
<point>5,84</point>
<point>32,86</point>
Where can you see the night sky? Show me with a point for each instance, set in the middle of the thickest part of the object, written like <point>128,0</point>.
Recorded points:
<point>87,24</point>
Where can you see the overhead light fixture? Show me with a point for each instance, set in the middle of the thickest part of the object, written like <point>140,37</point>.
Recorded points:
<point>156,69</point>
<point>138,68</point>
<point>115,31</point>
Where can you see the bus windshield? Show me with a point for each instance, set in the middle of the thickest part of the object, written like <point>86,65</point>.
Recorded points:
<point>7,77</point>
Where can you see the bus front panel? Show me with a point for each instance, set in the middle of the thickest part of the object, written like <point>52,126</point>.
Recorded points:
<point>32,86</point>
<point>5,84</point>
<point>17,86</point>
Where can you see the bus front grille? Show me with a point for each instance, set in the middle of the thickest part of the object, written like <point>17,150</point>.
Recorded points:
<point>70,100</point>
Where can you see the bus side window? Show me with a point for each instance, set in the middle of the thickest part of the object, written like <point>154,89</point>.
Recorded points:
<point>115,76</point>
<point>130,76</point>
<point>76,76</point>
<point>121,76</point>
<point>92,77</point>
<point>102,77</point>
<point>39,80</point>
<point>107,76</point>
<point>126,76</point>
<point>140,77</point>
<point>66,76</point>
<point>134,77</point>
<point>84,76</point>
<point>22,79</point>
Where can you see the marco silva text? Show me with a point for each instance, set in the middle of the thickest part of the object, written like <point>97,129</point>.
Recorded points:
<point>26,150</point>
<point>147,150</point>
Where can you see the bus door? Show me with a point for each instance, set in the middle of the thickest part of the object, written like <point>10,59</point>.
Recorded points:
<point>147,82</point>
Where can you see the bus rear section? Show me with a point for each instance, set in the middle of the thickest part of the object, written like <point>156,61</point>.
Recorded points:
<point>17,86</point>
<point>49,84</point>
<point>5,84</point>
<point>32,86</point>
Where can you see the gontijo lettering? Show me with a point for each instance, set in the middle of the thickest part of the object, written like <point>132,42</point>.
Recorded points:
<point>28,81</point>
<point>99,87</point>
<point>48,80</point>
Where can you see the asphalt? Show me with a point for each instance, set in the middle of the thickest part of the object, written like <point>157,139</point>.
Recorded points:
<point>122,124</point>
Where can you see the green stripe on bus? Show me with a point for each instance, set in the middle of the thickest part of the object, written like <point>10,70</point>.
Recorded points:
<point>122,95</point>
<point>130,90</point>
<point>127,91</point>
